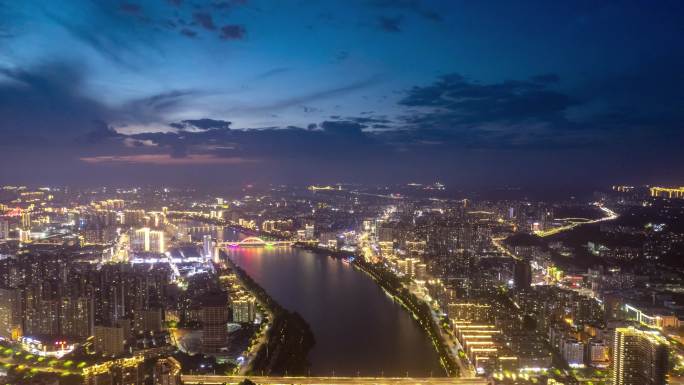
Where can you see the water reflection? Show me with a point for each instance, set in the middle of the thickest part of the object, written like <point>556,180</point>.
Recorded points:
<point>358,329</point>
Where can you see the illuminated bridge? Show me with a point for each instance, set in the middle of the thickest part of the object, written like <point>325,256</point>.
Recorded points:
<point>257,242</point>
<point>218,380</point>
<point>203,229</point>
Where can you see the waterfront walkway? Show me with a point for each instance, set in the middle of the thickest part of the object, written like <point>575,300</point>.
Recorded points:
<point>218,380</point>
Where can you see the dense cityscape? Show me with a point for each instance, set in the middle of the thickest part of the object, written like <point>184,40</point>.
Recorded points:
<point>341,192</point>
<point>145,285</point>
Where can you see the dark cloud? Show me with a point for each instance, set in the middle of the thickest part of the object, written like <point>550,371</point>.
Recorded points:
<point>462,101</point>
<point>389,24</point>
<point>368,120</point>
<point>343,128</point>
<point>46,102</point>
<point>228,4</point>
<point>148,109</point>
<point>131,8</point>
<point>413,6</point>
<point>101,132</point>
<point>169,24</point>
<point>202,124</point>
<point>188,32</point>
<point>332,138</point>
<point>272,72</point>
<point>205,20</point>
<point>341,56</point>
<point>455,111</point>
<point>232,32</point>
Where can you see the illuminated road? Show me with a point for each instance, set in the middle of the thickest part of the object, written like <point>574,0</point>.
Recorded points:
<point>503,249</point>
<point>211,380</point>
<point>610,215</point>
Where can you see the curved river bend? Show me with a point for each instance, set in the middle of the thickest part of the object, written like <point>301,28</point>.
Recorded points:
<point>358,329</point>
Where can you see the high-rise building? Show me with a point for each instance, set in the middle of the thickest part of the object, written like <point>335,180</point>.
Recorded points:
<point>76,317</point>
<point>573,352</point>
<point>471,312</point>
<point>639,357</point>
<point>243,310</point>
<point>522,275</point>
<point>133,217</point>
<point>598,354</point>
<point>206,246</point>
<point>157,242</point>
<point>4,229</point>
<point>420,270</point>
<point>42,317</point>
<point>26,221</point>
<point>148,240</point>
<point>10,313</point>
<point>214,317</point>
<point>309,231</point>
<point>167,372</point>
<point>109,340</point>
<point>148,320</point>
<point>124,371</point>
<point>140,239</point>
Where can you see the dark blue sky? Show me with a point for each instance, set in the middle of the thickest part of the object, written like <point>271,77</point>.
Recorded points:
<point>473,93</point>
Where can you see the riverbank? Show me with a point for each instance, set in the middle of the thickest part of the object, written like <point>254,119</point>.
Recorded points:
<point>288,340</point>
<point>419,309</point>
<point>391,284</point>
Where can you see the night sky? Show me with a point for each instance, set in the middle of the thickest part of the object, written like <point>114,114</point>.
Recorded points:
<point>471,93</point>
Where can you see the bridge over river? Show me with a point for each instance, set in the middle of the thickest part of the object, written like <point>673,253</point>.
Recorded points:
<point>256,241</point>
<point>264,380</point>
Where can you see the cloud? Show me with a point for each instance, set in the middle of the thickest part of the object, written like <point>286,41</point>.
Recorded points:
<point>188,32</point>
<point>46,102</point>
<point>316,96</point>
<point>232,32</point>
<point>389,24</point>
<point>341,56</point>
<point>167,160</point>
<point>131,8</point>
<point>272,72</point>
<point>107,45</point>
<point>456,111</point>
<point>205,20</point>
<point>365,119</point>
<point>462,101</point>
<point>101,132</point>
<point>413,6</point>
<point>343,128</point>
<point>228,4</point>
<point>202,124</point>
<point>152,108</point>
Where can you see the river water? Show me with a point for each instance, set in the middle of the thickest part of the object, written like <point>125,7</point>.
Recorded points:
<point>359,330</point>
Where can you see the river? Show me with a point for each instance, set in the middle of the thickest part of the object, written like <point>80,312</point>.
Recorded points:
<point>358,329</point>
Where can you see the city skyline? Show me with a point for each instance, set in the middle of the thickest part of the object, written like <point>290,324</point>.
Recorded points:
<point>531,94</point>
<point>341,192</point>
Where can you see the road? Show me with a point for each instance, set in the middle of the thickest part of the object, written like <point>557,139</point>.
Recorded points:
<point>609,216</point>
<point>217,380</point>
